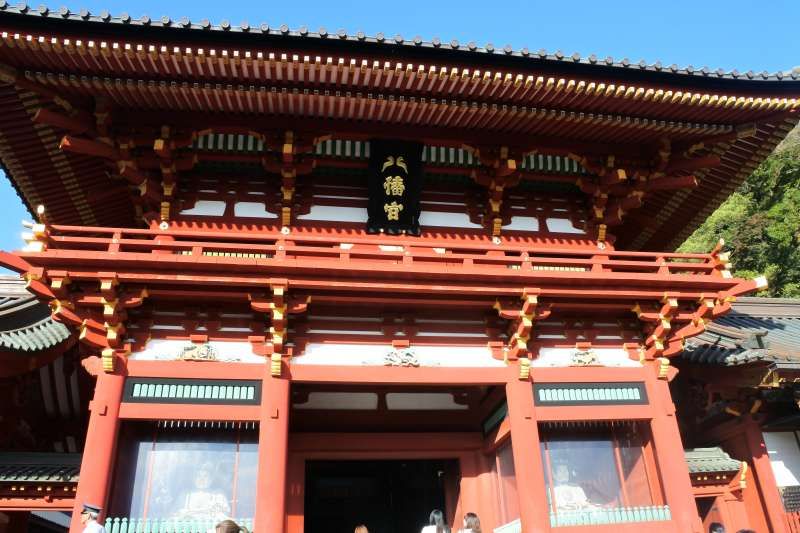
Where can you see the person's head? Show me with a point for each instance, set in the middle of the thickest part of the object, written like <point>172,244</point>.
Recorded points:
<point>89,512</point>
<point>361,529</point>
<point>86,516</point>
<point>472,522</point>
<point>716,527</point>
<point>229,526</point>
<point>437,519</point>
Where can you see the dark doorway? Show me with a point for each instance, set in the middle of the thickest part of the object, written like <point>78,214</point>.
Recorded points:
<point>386,496</point>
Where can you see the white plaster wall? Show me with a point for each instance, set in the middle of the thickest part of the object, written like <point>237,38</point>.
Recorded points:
<point>373,355</point>
<point>207,208</point>
<point>560,357</point>
<point>784,455</point>
<point>169,350</point>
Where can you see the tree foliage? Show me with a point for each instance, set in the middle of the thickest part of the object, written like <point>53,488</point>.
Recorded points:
<point>760,223</point>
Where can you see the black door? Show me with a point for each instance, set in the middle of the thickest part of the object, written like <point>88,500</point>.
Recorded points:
<point>386,496</point>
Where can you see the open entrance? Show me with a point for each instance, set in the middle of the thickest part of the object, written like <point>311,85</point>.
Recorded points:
<point>387,496</point>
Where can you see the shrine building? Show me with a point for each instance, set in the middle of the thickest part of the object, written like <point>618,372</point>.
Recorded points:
<point>310,280</point>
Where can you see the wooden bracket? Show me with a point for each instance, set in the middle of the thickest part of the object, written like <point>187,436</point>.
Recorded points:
<point>617,187</point>
<point>278,306</point>
<point>499,172</point>
<point>293,157</point>
<point>523,317</point>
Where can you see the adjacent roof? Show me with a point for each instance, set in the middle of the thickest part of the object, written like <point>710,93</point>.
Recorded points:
<point>24,467</point>
<point>25,322</point>
<point>701,460</point>
<point>757,329</point>
<point>151,72</point>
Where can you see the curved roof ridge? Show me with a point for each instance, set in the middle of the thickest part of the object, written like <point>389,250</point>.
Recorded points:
<point>184,23</point>
<point>756,329</point>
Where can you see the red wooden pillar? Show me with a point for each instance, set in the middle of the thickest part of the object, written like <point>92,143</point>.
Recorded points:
<point>469,488</point>
<point>671,460</point>
<point>734,512</point>
<point>273,445</point>
<point>528,468</point>
<point>765,477</point>
<point>489,498</point>
<point>99,451</point>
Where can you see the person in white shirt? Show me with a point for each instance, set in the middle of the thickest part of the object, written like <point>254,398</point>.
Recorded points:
<point>472,524</point>
<point>89,519</point>
<point>437,523</point>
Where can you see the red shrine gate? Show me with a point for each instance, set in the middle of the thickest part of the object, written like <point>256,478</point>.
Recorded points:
<point>331,278</point>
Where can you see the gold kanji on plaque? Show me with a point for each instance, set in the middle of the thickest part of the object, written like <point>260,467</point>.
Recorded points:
<point>393,210</point>
<point>394,186</point>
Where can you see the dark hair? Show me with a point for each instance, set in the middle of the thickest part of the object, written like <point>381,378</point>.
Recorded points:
<point>716,527</point>
<point>472,522</point>
<point>229,526</point>
<point>437,519</point>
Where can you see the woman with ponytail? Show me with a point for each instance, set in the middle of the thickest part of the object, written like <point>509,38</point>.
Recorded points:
<point>436,523</point>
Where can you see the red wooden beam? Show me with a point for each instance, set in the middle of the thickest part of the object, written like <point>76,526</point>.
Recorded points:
<point>83,146</point>
<point>77,124</point>
<point>382,375</point>
<point>157,411</point>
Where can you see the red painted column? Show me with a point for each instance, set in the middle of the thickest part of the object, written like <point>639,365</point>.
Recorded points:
<point>528,468</point>
<point>99,451</point>
<point>734,512</point>
<point>765,477</point>
<point>671,460</point>
<point>469,488</point>
<point>273,445</point>
<point>489,499</point>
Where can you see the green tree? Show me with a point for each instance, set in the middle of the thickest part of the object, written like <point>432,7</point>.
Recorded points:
<point>760,222</point>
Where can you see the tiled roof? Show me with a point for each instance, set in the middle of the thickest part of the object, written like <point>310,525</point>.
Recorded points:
<point>25,322</point>
<point>36,467</point>
<point>702,460</point>
<point>757,329</point>
<point>381,39</point>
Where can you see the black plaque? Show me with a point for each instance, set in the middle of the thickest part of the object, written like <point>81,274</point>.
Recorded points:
<point>395,169</point>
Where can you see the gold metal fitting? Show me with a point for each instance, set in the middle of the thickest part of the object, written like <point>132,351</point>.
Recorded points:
<point>275,365</point>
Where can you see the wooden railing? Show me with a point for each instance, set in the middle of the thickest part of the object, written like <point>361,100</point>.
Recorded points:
<point>615,515</point>
<point>166,525</point>
<point>366,250</point>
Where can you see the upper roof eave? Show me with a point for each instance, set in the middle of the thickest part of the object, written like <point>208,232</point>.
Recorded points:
<point>187,30</point>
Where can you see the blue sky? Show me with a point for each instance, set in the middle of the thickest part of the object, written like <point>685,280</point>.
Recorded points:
<point>745,35</point>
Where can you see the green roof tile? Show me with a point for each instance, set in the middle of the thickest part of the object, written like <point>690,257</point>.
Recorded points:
<point>34,467</point>
<point>710,460</point>
<point>757,329</point>
<point>25,322</point>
